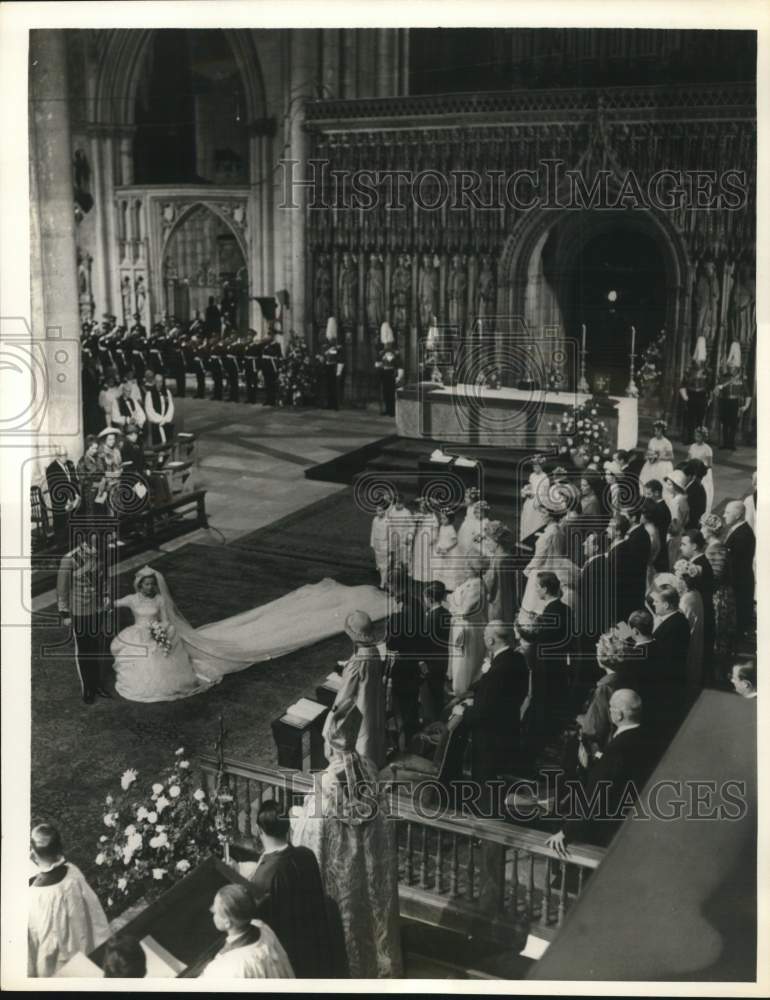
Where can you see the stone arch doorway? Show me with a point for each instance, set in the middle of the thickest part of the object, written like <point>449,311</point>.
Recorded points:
<point>561,268</point>
<point>203,258</point>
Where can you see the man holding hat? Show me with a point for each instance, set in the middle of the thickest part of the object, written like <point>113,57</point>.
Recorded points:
<point>362,684</point>
<point>734,398</point>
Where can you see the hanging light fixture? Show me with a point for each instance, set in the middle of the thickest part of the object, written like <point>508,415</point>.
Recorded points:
<point>237,108</point>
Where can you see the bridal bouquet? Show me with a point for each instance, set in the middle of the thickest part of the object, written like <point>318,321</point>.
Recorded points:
<point>153,838</point>
<point>160,636</point>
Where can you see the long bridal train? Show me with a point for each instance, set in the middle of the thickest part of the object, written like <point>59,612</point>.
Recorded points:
<point>199,658</point>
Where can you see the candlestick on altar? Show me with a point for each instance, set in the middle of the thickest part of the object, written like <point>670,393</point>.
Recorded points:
<point>583,385</point>
<point>631,388</point>
<point>633,341</point>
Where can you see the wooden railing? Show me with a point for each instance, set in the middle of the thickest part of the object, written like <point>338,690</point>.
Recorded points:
<point>476,876</point>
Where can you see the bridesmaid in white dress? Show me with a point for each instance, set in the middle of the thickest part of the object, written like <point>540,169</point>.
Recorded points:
<point>701,450</point>
<point>447,564</point>
<point>471,534</point>
<point>468,607</point>
<point>533,514</point>
<point>662,445</point>
<point>144,670</point>
<point>425,536</point>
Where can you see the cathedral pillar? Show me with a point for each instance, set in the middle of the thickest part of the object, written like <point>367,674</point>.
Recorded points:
<point>349,64</point>
<point>330,73</point>
<point>302,79</point>
<point>55,314</point>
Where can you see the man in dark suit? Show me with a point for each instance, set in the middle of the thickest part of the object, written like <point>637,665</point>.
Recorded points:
<point>638,548</point>
<point>626,761</point>
<point>290,897</point>
<point>696,494</point>
<point>740,543</point>
<point>660,515</point>
<point>435,649</point>
<point>551,636</point>
<point>213,318</point>
<point>493,717</point>
<point>630,467</point>
<point>621,583</point>
<point>592,614</point>
<point>693,548</point>
<point>63,495</point>
<point>671,632</point>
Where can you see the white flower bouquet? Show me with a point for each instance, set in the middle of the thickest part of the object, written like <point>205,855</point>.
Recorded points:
<point>161,636</point>
<point>153,836</point>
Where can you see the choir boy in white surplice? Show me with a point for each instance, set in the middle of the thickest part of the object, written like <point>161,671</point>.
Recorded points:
<point>159,404</point>
<point>378,541</point>
<point>126,409</point>
<point>251,949</point>
<point>65,915</point>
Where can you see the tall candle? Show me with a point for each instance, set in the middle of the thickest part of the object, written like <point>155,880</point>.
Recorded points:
<point>633,338</point>
<point>583,328</point>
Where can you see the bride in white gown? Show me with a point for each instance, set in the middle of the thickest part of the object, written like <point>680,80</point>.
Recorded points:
<point>201,657</point>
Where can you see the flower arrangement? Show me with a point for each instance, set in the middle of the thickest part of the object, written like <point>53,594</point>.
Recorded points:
<point>161,636</point>
<point>651,365</point>
<point>683,567</point>
<point>582,434</point>
<point>153,840</point>
<point>296,375</point>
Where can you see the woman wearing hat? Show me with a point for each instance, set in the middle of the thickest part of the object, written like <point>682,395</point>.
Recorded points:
<point>500,577</point>
<point>533,515</point>
<point>468,608</point>
<point>362,684</point>
<point>713,528</point>
<point>91,476</point>
<point>675,495</point>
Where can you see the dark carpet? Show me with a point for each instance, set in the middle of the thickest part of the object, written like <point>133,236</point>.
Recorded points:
<point>80,751</point>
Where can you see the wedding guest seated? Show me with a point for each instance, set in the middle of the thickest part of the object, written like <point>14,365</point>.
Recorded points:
<point>251,949</point>
<point>290,896</point>
<point>743,678</point>
<point>65,916</point>
<point>124,958</point>
<point>625,763</point>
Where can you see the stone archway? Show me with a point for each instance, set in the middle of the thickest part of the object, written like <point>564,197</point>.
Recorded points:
<point>204,256</point>
<point>529,286</point>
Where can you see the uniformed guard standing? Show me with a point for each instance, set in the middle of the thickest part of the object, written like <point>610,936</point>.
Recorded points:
<point>334,366</point>
<point>82,590</point>
<point>216,369</point>
<point>390,367</point>
<point>271,357</point>
<point>232,369</point>
<point>734,398</point>
<point>156,349</point>
<point>695,391</point>
<point>175,360</point>
<point>252,359</point>
<point>196,357</point>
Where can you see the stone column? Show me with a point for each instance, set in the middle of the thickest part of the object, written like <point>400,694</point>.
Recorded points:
<point>55,315</point>
<point>302,89</point>
<point>330,77</point>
